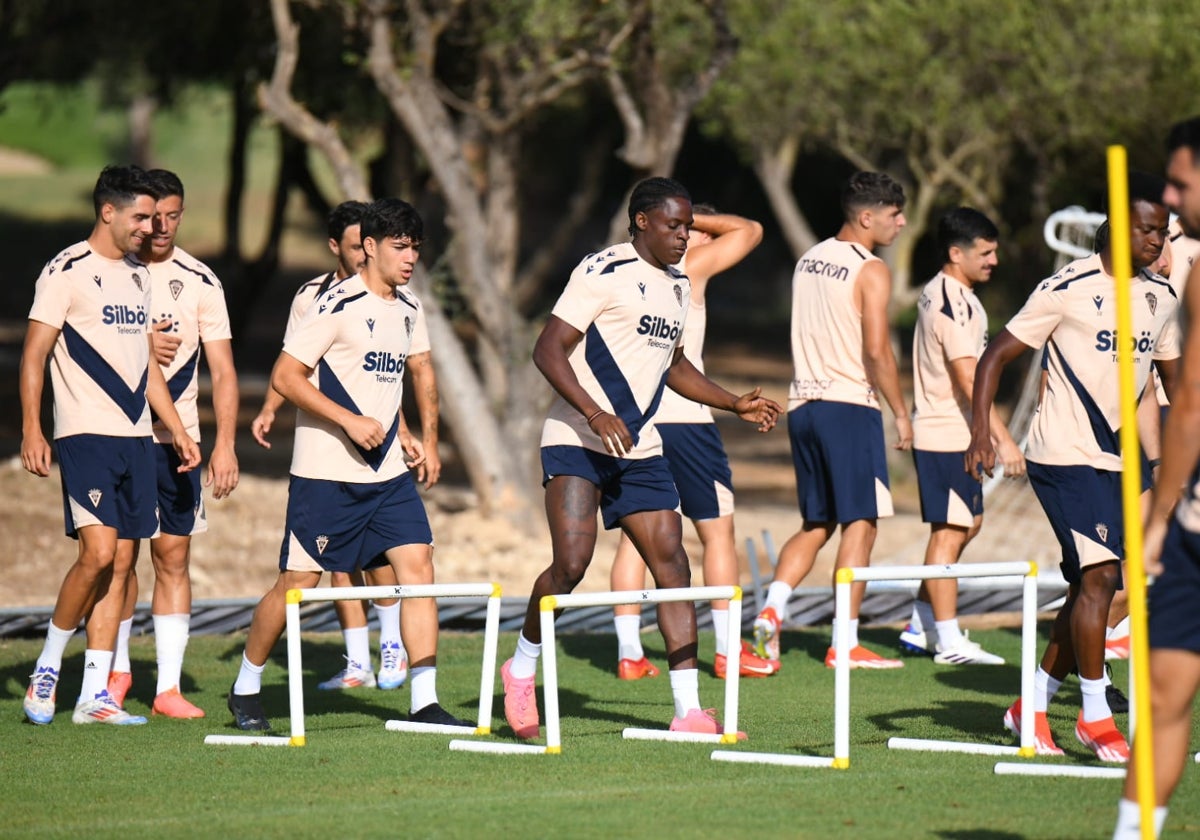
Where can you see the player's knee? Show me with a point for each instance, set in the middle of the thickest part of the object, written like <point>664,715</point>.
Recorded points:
<point>1100,581</point>
<point>673,572</point>
<point>568,570</point>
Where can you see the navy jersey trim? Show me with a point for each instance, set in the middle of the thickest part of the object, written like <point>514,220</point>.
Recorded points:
<point>207,280</point>
<point>613,266</point>
<point>67,265</point>
<point>1071,280</point>
<point>947,307</point>
<point>132,403</point>
<point>332,387</point>
<point>1107,439</point>
<point>341,304</point>
<point>854,248</point>
<point>178,383</point>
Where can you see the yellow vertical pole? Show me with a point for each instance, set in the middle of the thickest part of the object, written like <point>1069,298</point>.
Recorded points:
<point>1131,482</point>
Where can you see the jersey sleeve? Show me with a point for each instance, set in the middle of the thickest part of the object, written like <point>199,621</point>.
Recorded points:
<point>312,337</point>
<point>584,298</point>
<point>301,303</point>
<point>1170,341</point>
<point>420,335</point>
<point>956,340</point>
<point>51,299</point>
<point>213,317</point>
<point>1038,317</point>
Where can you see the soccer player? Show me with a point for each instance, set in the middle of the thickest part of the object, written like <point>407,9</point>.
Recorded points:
<point>345,242</point>
<point>692,446</point>
<point>351,496</point>
<point>89,317</point>
<point>610,346</point>
<point>1172,543</point>
<point>189,314</point>
<point>950,335</point>
<point>842,352</point>
<point>1074,454</point>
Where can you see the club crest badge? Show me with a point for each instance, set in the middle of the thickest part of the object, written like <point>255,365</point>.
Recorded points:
<point>1152,300</point>
<point>322,541</point>
<point>408,325</point>
<point>137,281</point>
<point>94,495</point>
<point>1102,531</point>
<point>176,286</point>
<point>678,294</point>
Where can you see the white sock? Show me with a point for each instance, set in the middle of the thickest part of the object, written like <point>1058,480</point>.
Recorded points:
<point>1120,631</point>
<point>629,636</point>
<point>1095,704</point>
<point>922,618</point>
<point>778,595</point>
<point>685,690</point>
<point>1129,820</point>
<point>853,634</point>
<point>720,620</point>
<point>422,682</point>
<point>389,627</point>
<point>97,664</point>
<point>249,678</point>
<point>170,642</point>
<point>358,647</point>
<point>948,633</point>
<point>524,661</point>
<point>1044,689</point>
<point>52,651</point>
<point>121,654</point>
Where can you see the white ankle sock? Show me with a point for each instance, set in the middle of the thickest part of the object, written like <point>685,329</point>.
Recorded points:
<point>948,633</point>
<point>170,642</point>
<point>685,690</point>
<point>922,619</point>
<point>389,627</point>
<point>720,620</point>
<point>52,651</point>
<point>853,634</point>
<point>778,595</point>
<point>423,685</point>
<point>1044,689</point>
<point>1129,820</point>
<point>629,636</point>
<point>524,661</point>
<point>358,647</point>
<point>121,654</point>
<point>97,664</point>
<point>249,678</point>
<point>1095,703</point>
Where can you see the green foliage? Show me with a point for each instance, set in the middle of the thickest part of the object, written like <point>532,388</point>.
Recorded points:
<point>354,778</point>
<point>65,124</point>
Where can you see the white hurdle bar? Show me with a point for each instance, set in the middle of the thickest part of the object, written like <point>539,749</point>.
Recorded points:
<point>841,717</point>
<point>295,597</point>
<point>550,603</point>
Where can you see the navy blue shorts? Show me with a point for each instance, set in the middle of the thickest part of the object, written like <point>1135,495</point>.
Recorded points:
<point>700,467</point>
<point>1175,595</point>
<point>337,526</point>
<point>108,481</point>
<point>627,485</point>
<point>841,466</point>
<point>1083,505</point>
<point>180,501</point>
<point>949,494</point>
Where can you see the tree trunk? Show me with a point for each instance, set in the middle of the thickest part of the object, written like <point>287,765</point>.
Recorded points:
<point>141,129</point>
<point>243,119</point>
<point>775,168</point>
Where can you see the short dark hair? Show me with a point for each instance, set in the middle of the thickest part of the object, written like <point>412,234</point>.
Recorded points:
<point>870,189</point>
<point>121,185</point>
<point>347,214</point>
<point>166,181</point>
<point>392,218</point>
<point>704,208</point>
<point>961,227</point>
<point>1185,133</point>
<point>651,193</point>
<point>1146,187</point>
<point>1100,242</point>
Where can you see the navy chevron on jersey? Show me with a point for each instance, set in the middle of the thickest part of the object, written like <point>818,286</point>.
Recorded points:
<point>305,296</point>
<point>100,361</point>
<point>951,324</point>
<point>356,343</point>
<point>632,316</point>
<point>186,292</point>
<point>827,342</point>
<point>1073,316</point>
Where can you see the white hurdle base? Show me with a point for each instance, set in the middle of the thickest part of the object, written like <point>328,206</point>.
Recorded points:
<point>249,740</point>
<point>497,748</point>
<point>1005,768</point>
<point>433,728</point>
<point>1198,758</point>
<point>929,745</point>
<point>632,733</point>
<point>817,761</point>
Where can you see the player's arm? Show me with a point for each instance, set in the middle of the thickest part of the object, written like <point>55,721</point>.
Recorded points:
<point>260,427</point>
<point>222,463</point>
<point>962,376</point>
<point>35,449</point>
<point>290,378</point>
<point>1000,351</point>
<point>424,381</point>
<point>414,452</point>
<point>685,380</point>
<point>874,288</point>
<point>158,395</point>
<point>733,237</point>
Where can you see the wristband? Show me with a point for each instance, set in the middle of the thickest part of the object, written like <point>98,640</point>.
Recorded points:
<point>1154,462</point>
<point>594,415</point>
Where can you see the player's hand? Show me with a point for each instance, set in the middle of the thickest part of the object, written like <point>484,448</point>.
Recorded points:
<point>979,456</point>
<point>1152,544</point>
<point>1011,458</point>
<point>222,474</point>
<point>612,433</point>
<point>165,343</point>
<point>187,450</point>
<point>35,454</point>
<point>904,433</point>
<point>367,432</point>
<point>260,427</point>
<point>431,471</point>
<point>414,450</point>
<point>753,407</point>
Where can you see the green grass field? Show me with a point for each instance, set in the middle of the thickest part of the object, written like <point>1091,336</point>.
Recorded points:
<point>356,779</point>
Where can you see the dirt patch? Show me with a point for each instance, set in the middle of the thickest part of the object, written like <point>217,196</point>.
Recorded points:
<point>16,162</point>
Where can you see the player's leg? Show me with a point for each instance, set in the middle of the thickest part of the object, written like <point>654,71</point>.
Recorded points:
<point>393,657</point>
<point>629,574</point>
<point>172,614</point>
<point>854,552</point>
<point>120,678</point>
<point>352,616</point>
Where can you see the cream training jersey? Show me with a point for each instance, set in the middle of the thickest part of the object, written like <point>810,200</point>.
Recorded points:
<point>674,408</point>
<point>951,325</point>
<point>1072,315</point>
<point>186,292</point>
<point>100,361</point>
<point>632,316</point>
<point>356,343</point>
<point>827,344</point>
<point>304,298</point>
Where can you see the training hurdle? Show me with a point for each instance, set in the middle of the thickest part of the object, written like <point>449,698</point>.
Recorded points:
<point>550,603</point>
<point>295,597</point>
<point>841,715</point>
